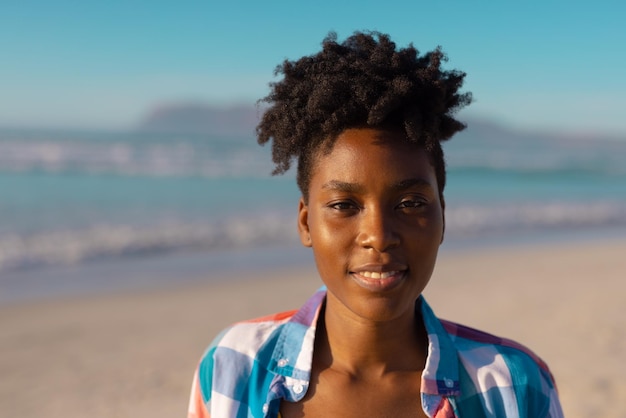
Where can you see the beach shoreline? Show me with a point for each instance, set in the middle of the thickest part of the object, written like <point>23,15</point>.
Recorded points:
<point>132,352</point>
<point>173,269</point>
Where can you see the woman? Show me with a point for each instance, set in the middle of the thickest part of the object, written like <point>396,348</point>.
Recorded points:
<point>365,122</point>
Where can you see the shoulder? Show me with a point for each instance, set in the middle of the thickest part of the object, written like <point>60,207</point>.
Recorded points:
<point>479,346</point>
<point>479,351</point>
<point>495,365</point>
<point>245,358</point>
<point>246,338</point>
<point>239,352</point>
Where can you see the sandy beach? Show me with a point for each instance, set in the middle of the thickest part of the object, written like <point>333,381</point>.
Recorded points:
<point>133,354</point>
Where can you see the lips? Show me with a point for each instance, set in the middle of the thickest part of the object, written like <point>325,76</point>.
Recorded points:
<point>379,278</point>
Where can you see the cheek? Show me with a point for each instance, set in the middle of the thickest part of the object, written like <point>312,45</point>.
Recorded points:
<point>328,230</point>
<point>331,241</point>
<point>324,234</point>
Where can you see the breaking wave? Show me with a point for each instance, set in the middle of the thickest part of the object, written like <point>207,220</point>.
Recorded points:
<point>233,157</point>
<point>204,158</point>
<point>70,247</point>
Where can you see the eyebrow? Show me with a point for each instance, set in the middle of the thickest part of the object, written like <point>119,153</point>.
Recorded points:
<point>347,187</point>
<point>408,183</point>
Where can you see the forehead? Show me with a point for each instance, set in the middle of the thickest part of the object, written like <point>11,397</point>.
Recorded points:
<point>373,152</point>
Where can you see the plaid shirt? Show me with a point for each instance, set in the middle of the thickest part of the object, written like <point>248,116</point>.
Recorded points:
<point>253,365</point>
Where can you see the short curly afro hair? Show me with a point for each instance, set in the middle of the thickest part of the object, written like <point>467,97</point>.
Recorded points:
<point>362,82</point>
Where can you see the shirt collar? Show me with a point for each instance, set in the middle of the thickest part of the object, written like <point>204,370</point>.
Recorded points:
<point>441,373</point>
<point>292,357</point>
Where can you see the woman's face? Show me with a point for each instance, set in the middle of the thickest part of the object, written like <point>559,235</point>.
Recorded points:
<point>375,222</point>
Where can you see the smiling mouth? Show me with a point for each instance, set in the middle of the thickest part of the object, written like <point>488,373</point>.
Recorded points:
<point>377,281</point>
<point>377,275</point>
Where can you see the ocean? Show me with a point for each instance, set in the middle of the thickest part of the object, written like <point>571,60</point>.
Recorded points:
<point>94,211</point>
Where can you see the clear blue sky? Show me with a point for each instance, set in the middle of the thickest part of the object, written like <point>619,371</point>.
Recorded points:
<point>79,64</point>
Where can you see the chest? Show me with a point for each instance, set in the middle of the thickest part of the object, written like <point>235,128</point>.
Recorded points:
<point>338,396</point>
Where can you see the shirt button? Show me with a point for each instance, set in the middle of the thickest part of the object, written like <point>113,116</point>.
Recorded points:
<point>298,388</point>
<point>448,382</point>
<point>282,362</point>
<point>265,408</point>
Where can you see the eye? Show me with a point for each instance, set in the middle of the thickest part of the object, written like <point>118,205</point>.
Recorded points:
<point>411,203</point>
<point>343,206</point>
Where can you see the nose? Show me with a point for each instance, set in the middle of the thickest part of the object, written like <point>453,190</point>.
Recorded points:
<point>377,230</point>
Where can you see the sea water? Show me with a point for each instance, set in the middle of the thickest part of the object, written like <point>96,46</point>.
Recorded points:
<point>102,210</point>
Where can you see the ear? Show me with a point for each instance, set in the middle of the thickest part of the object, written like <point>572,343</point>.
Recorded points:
<point>303,223</point>
<point>443,219</point>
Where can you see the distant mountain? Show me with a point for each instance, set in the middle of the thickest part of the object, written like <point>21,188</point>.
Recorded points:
<point>194,118</point>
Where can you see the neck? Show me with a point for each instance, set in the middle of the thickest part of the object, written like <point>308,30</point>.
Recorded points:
<point>359,347</point>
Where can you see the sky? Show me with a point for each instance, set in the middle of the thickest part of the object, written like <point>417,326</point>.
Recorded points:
<point>549,65</point>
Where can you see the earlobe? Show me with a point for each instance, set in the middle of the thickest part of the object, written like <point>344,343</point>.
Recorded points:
<point>303,224</point>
